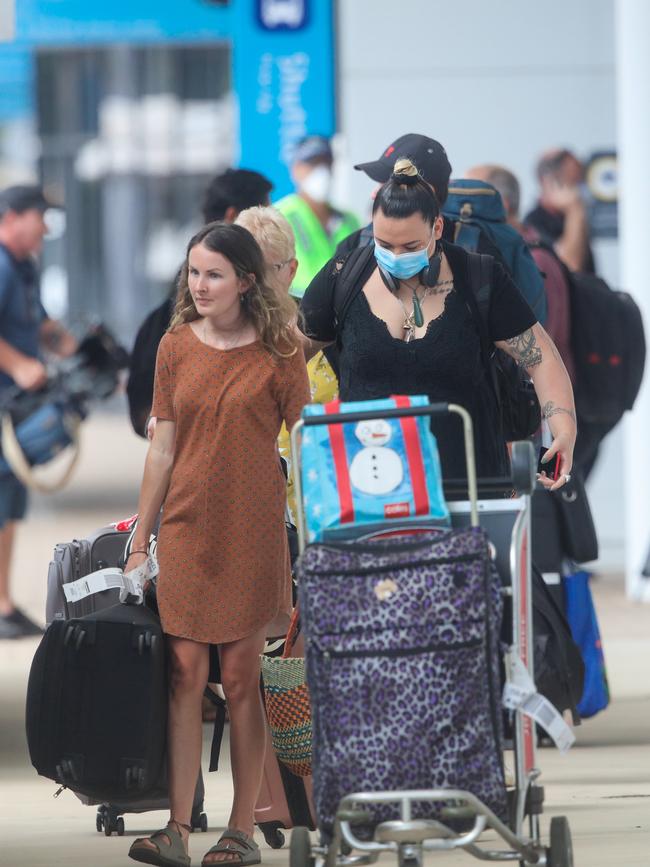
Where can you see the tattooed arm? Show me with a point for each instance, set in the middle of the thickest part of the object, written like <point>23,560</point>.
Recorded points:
<point>535,351</point>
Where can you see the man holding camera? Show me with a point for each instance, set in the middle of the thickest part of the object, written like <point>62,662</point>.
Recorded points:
<point>25,329</point>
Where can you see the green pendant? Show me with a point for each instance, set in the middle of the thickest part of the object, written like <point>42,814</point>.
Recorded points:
<point>418,318</point>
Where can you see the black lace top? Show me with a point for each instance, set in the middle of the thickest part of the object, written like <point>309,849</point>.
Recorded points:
<point>445,363</point>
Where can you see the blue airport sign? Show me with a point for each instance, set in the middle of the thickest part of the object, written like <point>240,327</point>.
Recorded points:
<point>283,66</point>
<point>282,14</point>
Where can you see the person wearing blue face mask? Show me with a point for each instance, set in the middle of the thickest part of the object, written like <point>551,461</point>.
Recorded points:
<point>403,315</point>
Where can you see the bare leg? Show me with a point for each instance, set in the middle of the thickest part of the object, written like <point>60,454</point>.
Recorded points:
<point>240,678</point>
<point>188,677</point>
<point>6,550</point>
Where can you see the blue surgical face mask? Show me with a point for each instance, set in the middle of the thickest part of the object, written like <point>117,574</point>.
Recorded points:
<point>402,265</point>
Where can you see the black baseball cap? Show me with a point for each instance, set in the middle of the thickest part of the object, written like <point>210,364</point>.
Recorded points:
<point>23,198</point>
<point>426,153</point>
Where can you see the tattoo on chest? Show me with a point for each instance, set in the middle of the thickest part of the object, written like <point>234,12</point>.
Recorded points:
<point>525,349</point>
<point>550,409</point>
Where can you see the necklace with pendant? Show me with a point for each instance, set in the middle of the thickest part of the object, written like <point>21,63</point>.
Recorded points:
<point>415,319</point>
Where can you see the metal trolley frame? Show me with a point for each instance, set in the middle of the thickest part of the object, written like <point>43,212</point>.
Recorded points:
<point>506,518</point>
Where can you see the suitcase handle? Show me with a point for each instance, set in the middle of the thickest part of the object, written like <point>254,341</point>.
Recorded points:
<point>430,409</point>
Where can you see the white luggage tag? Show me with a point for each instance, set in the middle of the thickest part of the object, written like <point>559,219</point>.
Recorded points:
<point>113,578</point>
<point>103,579</point>
<point>134,580</point>
<point>520,693</point>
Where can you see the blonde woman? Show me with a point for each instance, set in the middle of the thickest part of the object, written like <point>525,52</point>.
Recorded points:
<point>274,234</point>
<point>229,372</point>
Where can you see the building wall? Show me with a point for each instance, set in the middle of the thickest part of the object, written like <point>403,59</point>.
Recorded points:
<point>494,82</point>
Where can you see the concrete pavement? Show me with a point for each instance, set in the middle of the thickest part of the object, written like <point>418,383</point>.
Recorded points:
<point>603,785</point>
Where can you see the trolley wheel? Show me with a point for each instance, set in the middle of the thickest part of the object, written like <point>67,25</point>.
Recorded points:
<point>203,822</point>
<point>560,852</point>
<point>523,467</point>
<point>300,848</point>
<point>99,821</point>
<point>108,827</point>
<point>119,827</point>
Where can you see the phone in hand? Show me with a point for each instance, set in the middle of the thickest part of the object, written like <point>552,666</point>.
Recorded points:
<point>552,467</point>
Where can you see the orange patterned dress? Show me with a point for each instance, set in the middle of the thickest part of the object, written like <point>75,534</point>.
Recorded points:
<point>222,546</point>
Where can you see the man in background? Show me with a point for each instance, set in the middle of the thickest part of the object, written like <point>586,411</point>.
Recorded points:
<point>318,226</point>
<point>560,216</point>
<point>227,194</point>
<point>25,331</point>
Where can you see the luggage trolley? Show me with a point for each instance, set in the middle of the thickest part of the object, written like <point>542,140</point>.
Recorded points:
<point>506,518</point>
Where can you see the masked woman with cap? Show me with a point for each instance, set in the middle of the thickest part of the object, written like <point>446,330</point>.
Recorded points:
<point>410,328</point>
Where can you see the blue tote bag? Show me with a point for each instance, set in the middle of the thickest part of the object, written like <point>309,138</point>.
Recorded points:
<point>581,614</point>
<point>371,472</point>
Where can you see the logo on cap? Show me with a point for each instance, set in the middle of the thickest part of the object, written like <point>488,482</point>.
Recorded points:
<point>389,151</point>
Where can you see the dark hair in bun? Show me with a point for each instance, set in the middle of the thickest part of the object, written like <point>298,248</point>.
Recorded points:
<point>406,193</point>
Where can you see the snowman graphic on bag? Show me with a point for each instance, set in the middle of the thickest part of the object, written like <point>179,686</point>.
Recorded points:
<point>376,469</point>
<point>370,471</point>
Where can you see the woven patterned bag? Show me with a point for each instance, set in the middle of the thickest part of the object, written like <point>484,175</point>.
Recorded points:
<point>287,706</point>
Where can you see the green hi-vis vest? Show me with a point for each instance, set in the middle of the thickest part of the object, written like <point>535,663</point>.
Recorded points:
<point>314,246</point>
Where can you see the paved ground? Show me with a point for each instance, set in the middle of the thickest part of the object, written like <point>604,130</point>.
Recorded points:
<point>603,785</point>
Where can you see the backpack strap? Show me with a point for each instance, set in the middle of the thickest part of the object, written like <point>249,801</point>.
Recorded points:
<point>366,236</point>
<point>348,282</point>
<point>480,280</point>
<point>467,235</point>
<point>478,302</point>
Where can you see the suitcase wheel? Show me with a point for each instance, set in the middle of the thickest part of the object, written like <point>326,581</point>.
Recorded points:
<point>109,823</point>
<point>199,821</point>
<point>272,834</point>
<point>116,826</point>
<point>300,848</point>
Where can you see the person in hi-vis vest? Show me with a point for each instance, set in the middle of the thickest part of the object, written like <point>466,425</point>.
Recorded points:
<point>317,225</point>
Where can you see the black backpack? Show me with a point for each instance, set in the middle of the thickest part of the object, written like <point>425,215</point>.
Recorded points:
<point>609,349</point>
<point>519,408</point>
<point>559,669</point>
<point>608,346</point>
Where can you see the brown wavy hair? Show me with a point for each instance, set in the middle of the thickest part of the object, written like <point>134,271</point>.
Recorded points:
<point>273,315</point>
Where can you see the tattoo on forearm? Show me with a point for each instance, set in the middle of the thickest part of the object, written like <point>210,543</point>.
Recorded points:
<point>550,409</point>
<point>525,349</point>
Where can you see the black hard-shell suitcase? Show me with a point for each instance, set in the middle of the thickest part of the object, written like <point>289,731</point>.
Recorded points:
<point>97,703</point>
<point>71,561</point>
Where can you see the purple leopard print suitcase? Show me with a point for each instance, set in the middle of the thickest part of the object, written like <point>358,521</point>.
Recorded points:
<point>402,666</point>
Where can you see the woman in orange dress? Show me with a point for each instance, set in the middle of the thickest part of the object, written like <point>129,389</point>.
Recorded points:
<point>229,371</point>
